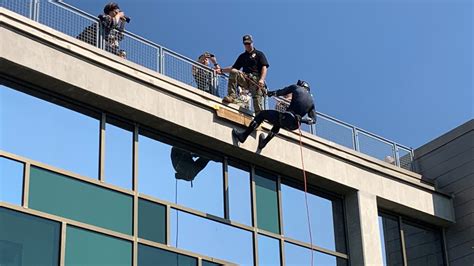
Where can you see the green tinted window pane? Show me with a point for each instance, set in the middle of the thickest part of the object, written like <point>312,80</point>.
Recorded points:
<point>70,198</point>
<point>85,247</point>
<point>267,203</point>
<point>208,263</point>
<point>150,256</point>
<point>151,221</point>
<point>11,181</point>
<point>27,239</point>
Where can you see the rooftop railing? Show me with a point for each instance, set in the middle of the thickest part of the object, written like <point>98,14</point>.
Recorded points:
<point>81,25</point>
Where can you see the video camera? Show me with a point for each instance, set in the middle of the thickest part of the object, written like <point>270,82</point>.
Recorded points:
<point>208,55</point>
<point>127,19</point>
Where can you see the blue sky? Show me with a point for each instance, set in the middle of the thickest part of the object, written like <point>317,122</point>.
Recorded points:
<point>400,69</point>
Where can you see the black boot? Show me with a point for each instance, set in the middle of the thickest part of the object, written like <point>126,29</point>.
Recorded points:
<point>242,135</point>
<point>262,141</point>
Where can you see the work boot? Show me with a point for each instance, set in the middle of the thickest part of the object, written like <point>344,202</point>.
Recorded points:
<point>228,99</point>
<point>242,135</point>
<point>262,140</point>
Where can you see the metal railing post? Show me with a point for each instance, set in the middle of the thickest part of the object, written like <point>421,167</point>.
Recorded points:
<point>396,155</point>
<point>355,136</point>
<point>35,8</point>
<point>162,60</point>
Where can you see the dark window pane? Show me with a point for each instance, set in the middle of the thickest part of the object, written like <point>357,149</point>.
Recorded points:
<point>268,251</point>
<point>267,202</point>
<point>27,239</point>
<point>239,195</point>
<point>159,166</point>
<point>118,156</point>
<point>85,247</point>
<point>423,245</point>
<point>151,221</point>
<point>211,238</point>
<point>326,216</point>
<point>390,238</point>
<point>208,263</point>
<point>11,181</point>
<point>150,256</point>
<point>296,255</point>
<point>70,198</point>
<point>48,133</point>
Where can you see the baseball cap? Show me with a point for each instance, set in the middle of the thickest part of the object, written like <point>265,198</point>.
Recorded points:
<point>247,39</point>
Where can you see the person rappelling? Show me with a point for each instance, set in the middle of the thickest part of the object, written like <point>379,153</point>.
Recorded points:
<point>302,104</point>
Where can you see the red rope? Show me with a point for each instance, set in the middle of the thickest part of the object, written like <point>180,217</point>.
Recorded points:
<point>306,194</point>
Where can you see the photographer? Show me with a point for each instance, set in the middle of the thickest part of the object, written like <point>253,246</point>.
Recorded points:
<point>202,76</point>
<point>113,24</point>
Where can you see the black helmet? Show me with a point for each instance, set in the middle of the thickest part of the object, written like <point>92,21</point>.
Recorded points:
<point>110,7</point>
<point>303,84</point>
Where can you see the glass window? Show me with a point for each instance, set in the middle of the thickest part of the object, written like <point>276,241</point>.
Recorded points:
<point>84,247</point>
<point>326,216</point>
<point>11,181</point>
<point>118,156</point>
<point>239,195</point>
<point>74,199</point>
<point>150,256</point>
<point>390,239</point>
<point>423,245</point>
<point>27,239</point>
<point>267,202</point>
<point>151,221</point>
<point>211,238</point>
<point>208,263</point>
<point>268,251</point>
<point>296,255</point>
<point>48,133</point>
<point>163,170</point>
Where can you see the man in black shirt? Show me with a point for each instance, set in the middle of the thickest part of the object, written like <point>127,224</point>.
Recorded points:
<point>254,66</point>
<point>301,104</point>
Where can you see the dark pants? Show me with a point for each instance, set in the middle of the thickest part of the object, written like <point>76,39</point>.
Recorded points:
<point>279,120</point>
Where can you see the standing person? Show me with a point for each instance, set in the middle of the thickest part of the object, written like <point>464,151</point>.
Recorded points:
<point>301,104</point>
<point>113,24</point>
<point>254,67</point>
<point>203,77</point>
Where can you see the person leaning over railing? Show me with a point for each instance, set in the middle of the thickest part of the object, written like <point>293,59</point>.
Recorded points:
<point>203,76</point>
<point>113,24</point>
<point>302,104</point>
<point>254,65</point>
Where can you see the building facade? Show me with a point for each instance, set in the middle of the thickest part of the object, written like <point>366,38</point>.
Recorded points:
<point>95,150</point>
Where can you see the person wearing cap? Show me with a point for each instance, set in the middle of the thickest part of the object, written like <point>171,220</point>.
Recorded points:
<point>254,66</point>
<point>302,104</point>
<point>113,24</point>
<point>202,76</point>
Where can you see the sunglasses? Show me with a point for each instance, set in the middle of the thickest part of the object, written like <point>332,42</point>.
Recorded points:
<point>248,43</point>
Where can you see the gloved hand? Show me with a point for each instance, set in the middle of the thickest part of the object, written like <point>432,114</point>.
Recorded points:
<point>308,120</point>
<point>271,93</point>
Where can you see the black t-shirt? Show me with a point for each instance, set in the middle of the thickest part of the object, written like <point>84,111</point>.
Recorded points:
<point>251,62</point>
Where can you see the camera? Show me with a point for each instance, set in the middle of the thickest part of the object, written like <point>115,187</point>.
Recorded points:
<point>127,19</point>
<point>208,55</point>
